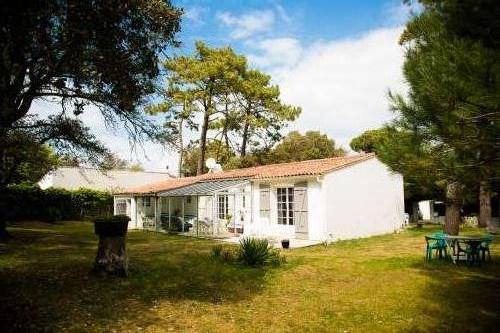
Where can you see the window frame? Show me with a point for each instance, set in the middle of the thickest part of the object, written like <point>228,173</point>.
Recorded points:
<point>285,205</point>
<point>222,206</point>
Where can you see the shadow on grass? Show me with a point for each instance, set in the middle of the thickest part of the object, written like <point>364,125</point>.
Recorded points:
<point>459,298</point>
<point>46,285</point>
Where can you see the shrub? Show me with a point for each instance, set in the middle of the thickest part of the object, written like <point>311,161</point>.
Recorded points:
<point>257,252</point>
<point>29,202</point>
<point>218,252</point>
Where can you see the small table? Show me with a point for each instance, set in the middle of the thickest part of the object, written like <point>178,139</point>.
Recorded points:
<point>474,243</point>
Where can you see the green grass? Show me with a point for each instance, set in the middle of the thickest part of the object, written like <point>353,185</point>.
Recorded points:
<point>380,284</point>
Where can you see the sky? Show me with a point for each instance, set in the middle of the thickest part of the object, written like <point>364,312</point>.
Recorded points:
<point>335,59</point>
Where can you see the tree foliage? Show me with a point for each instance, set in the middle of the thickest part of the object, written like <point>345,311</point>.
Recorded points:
<point>237,105</point>
<point>80,53</point>
<point>452,68</point>
<point>215,149</point>
<point>25,161</point>
<point>300,147</point>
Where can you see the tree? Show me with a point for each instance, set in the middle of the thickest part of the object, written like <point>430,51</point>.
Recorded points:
<point>262,114</point>
<point>25,161</point>
<point>80,53</point>
<point>202,80</point>
<point>369,141</point>
<point>216,149</point>
<point>453,100</point>
<point>238,105</point>
<point>179,115</point>
<point>298,147</point>
<point>76,51</point>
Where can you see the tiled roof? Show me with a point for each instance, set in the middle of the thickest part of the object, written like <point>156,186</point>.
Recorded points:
<point>292,169</point>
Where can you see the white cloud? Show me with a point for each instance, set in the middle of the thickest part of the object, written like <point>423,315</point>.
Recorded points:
<point>283,14</point>
<point>195,14</point>
<point>342,85</point>
<point>276,52</point>
<point>247,24</point>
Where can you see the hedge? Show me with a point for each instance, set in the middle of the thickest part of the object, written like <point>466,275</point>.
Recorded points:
<point>28,202</point>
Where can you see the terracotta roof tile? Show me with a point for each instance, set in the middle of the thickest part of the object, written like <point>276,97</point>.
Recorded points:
<point>292,169</point>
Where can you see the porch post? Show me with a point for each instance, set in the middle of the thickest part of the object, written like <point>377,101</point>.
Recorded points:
<point>197,214</point>
<point>214,213</point>
<point>183,199</point>
<point>169,213</point>
<point>234,213</point>
<point>158,223</point>
<point>156,211</point>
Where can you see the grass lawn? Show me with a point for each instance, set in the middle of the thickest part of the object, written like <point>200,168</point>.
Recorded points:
<point>380,284</point>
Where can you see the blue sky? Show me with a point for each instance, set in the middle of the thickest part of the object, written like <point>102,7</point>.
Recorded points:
<point>336,59</point>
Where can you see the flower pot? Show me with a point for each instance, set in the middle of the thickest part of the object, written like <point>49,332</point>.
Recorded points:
<point>285,243</point>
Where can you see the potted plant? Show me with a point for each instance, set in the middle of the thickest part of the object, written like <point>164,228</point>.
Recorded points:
<point>285,243</point>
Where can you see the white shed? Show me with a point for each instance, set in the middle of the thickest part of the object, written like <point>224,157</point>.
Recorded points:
<point>326,199</point>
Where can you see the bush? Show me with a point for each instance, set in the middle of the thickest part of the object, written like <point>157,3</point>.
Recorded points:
<point>258,252</point>
<point>218,252</point>
<point>29,202</point>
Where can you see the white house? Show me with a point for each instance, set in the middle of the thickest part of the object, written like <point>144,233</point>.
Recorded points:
<point>72,178</point>
<point>326,199</point>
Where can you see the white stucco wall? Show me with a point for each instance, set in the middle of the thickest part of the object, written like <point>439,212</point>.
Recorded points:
<point>362,200</point>
<point>426,209</point>
<point>266,224</point>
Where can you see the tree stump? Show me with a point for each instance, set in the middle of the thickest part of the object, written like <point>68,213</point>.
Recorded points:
<point>111,258</point>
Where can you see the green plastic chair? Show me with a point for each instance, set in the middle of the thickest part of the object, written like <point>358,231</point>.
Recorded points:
<point>436,242</point>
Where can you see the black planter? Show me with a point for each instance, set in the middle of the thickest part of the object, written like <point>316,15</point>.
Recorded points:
<point>285,243</point>
<point>115,226</point>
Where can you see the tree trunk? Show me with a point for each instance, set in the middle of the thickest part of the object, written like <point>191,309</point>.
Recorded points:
<point>111,258</point>
<point>4,234</point>
<point>181,147</point>
<point>245,140</point>
<point>203,143</point>
<point>454,191</point>
<point>484,204</point>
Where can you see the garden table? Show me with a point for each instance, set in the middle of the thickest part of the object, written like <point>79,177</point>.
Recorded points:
<point>473,244</point>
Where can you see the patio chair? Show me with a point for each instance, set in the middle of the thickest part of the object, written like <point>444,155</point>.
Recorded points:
<point>485,247</point>
<point>435,243</point>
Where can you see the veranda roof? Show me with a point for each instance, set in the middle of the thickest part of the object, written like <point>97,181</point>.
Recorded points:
<point>203,188</point>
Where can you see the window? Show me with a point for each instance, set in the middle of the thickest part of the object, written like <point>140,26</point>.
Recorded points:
<point>223,206</point>
<point>188,199</point>
<point>285,205</point>
<point>243,203</point>
<point>146,201</point>
<point>121,207</point>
